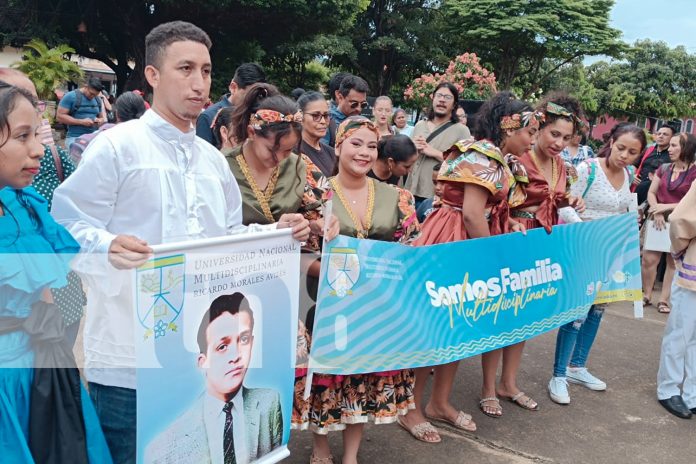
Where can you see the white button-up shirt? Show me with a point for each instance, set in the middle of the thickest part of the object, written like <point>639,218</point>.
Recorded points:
<point>148,179</point>
<point>214,418</point>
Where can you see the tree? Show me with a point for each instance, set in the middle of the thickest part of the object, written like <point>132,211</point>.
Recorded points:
<point>241,30</point>
<point>392,41</point>
<point>653,81</point>
<point>598,89</point>
<point>48,67</point>
<point>517,36</point>
<point>663,80</point>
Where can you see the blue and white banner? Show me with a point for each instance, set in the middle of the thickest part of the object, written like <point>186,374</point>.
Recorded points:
<point>215,331</point>
<point>384,306</point>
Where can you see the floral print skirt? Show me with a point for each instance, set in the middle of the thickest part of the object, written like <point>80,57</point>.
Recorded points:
<point>337,401</point>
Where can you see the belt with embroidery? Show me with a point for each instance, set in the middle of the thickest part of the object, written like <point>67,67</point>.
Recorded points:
<point>522,214</point>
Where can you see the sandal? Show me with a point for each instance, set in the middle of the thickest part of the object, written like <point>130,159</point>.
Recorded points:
<point>315,460</point>
<point>646,301</point>
<point>523,401</point>
<point>663,307</point>
<point>462,422</point>
<point>419,431</point>
<point>497,410</point>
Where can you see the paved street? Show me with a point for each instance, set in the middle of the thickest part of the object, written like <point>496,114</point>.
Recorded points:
<point>625,424</point>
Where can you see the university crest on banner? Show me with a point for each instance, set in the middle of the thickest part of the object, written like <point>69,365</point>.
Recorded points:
<point>161,286</point>
<point>343,271</point>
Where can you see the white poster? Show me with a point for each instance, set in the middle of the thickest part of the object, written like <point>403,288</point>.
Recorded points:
<point>216,327</point>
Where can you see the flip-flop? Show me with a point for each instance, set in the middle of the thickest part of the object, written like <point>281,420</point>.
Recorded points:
<point>524,404</point>
<point>462,422</point>
<point>419,431</point>
<point>497,407</point>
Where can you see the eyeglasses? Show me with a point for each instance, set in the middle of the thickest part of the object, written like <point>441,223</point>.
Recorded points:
<point>317,117</point>
<point>444,96</point>
<point>41,106</point>
<point>354,104</point>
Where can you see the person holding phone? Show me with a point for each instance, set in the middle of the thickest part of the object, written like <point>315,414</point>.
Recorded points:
<point>81,110</point>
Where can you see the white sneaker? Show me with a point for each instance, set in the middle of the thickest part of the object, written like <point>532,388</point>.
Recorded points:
<point>558,390</point>
<point>581,376</point>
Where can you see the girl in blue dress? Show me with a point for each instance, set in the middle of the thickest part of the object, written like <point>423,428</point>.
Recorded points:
<point>45,413</point>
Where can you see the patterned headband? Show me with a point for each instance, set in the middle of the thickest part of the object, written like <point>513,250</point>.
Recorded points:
<point>558,110</point>
<point>519,120</point>
<point>352,124</point>
<point>264,117</point>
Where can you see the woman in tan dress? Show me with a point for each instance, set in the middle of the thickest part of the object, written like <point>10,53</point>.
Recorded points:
<point>366,208</point>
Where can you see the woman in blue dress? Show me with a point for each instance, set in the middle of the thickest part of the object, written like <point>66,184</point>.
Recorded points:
<point>45,413</point>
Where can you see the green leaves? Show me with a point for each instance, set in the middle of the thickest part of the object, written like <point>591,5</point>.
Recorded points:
<point>652,80</point>
<point>516,36</point>
<point>48,67</point>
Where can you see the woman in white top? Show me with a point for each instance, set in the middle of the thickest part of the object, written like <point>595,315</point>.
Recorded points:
<point>604,183</point>
<point>400,120</point>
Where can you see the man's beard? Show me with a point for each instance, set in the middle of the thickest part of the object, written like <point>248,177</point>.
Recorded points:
<point>440,112</point>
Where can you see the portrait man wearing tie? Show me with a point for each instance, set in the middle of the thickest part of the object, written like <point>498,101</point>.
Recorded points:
<point>229,423</point>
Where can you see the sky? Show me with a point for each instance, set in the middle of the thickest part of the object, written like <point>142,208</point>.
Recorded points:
<point>672,21</point>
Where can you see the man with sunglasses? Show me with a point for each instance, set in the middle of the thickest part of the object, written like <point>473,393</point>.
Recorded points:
<point>351,99</point>
<point>432,137</point>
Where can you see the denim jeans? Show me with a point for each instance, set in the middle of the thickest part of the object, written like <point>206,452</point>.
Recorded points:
<point>116,410</point>
<point>574,341</point>
<point>69,141</point>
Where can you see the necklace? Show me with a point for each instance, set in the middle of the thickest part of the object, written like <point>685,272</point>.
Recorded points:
<point>361,230</point>
<point>554,171</point>
<point>680,177</point>
<point>263,197</point>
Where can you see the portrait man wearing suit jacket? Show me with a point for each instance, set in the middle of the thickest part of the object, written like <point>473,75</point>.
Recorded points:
<point>229,423</point>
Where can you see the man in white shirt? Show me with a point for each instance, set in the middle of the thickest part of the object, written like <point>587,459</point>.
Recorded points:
<point>229,423</point>
<point>146,182</point>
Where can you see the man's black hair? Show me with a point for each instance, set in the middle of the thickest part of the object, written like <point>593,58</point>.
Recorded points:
<point>249,73</point>
<point>232,304</point>
<point>162,36</point>
<point>351,82</point>
<point>95,83</point>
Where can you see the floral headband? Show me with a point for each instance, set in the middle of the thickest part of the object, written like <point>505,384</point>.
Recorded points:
<point>352,124</point>
<point>518,120</point>
<point>558,110</point>
<point>264,117</point>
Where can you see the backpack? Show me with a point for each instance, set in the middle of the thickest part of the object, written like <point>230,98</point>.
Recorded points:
<point>78,102</point>
<point>592,173</point>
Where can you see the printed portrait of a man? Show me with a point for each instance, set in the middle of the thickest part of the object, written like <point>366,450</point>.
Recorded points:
<point>229,423</point>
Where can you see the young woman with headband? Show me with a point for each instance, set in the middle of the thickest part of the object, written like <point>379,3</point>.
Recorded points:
<point>546,190</point>
<point>276,184</point>
<point>366,209</point>
<point>477,183</point>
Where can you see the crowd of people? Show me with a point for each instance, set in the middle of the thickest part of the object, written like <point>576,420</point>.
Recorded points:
<point>260,160</point>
